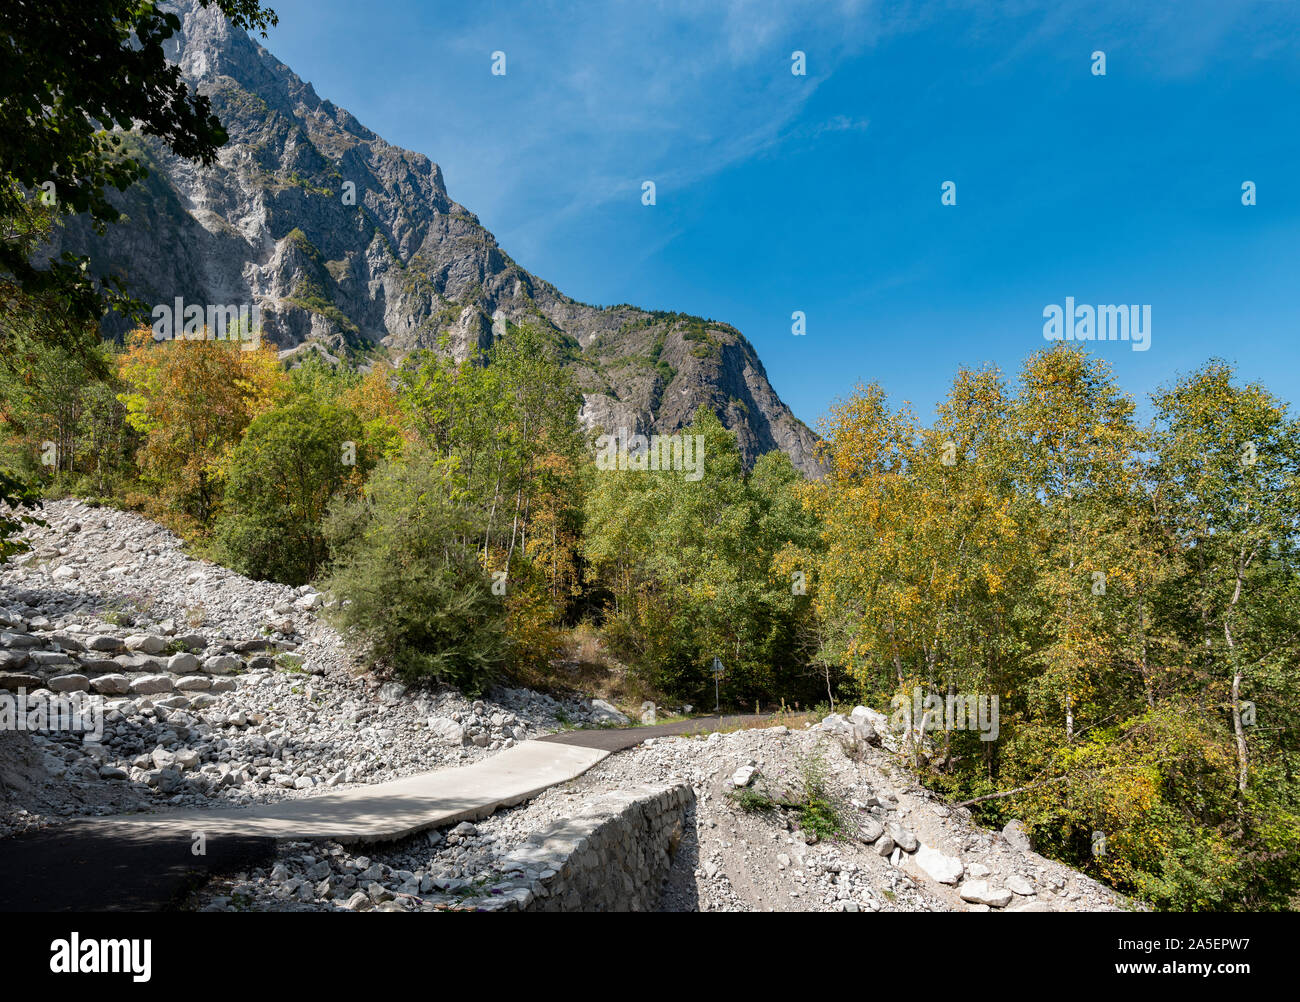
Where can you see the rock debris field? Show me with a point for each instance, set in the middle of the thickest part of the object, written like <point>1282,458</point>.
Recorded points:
<point>220,691</point>
<point>216,690</point>
<point>902,851</point>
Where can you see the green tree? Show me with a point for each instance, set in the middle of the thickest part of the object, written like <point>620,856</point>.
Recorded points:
<point>1229,477</point>
<point>279,483</point>
<point>692,568</point>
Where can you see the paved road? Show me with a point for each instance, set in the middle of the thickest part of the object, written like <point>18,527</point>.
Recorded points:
<point>144,862</point>
<point>80,867</point>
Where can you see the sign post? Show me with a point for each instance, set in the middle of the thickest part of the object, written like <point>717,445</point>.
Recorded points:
<point>717,672</point>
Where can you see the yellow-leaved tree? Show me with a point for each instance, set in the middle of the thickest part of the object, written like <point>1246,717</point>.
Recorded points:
<point>191,401</point>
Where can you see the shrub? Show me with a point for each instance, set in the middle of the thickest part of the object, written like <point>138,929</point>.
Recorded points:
<point>409,582</point>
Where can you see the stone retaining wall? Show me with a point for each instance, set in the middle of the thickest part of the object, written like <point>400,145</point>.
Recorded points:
<point>613,856</point>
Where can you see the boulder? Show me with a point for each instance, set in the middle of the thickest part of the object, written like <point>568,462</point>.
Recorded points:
<point>1019,885</point>
<point>222,664</point>
<point>182,662</point>
<point>869,829</point>
<point>607,713</point>
<point>162,758</point>
<point>13,681</point>
<point>146,643</point>
<point>69,683</point>
<point>48,659</point>
<point>147,685</point>
<point>904,838</point>
<point>938,866</point>
<point>12,660</point>
<point>980,893</point>
<point>446,729</point>
<point>97,666</point>
<point>1014,832</point>
<point>111,685</point>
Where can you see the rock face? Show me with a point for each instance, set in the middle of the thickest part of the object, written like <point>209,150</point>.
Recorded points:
<point>344,241</point>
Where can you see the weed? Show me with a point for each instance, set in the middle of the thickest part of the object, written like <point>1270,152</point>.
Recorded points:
<point>290,663</point>
<point>752,801</point>
<point>818,813</point>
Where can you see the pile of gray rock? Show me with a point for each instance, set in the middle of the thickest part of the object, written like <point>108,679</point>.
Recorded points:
<point>211,686</point>
<point>899,848</point>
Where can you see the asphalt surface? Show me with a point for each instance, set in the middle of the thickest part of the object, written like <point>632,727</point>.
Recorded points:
<point>78,867</point>
<point>146,863</point>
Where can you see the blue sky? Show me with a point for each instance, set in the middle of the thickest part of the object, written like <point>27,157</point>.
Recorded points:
<point>821,193</point>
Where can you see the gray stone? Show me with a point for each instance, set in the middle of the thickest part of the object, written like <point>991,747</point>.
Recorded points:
<point>182,662</point>
<point>904,838</point>
<point>111,685</point>
<point>147,685</point>
<point>446,729</point>
<point>979,892</point>
<point>69,683</point>
<point>943,868</point>
<point>222,664</point>
<point>869,829</point>
<point>607,713</point>
<point>146,643</point>
<point>1019,885</point>
<point>1014,832</point>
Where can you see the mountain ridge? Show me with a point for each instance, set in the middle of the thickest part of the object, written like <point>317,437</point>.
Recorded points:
<point>403,265</point>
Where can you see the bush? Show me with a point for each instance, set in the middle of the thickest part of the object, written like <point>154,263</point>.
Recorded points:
<point>409,582</point>
<point>278,487</point>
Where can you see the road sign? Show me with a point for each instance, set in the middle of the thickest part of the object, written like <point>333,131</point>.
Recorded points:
<point>717,666</point>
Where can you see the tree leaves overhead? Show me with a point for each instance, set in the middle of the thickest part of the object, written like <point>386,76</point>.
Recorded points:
<point>75,75</point>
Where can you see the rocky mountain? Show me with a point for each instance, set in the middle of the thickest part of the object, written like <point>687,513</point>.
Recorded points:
<point>350,244</point>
